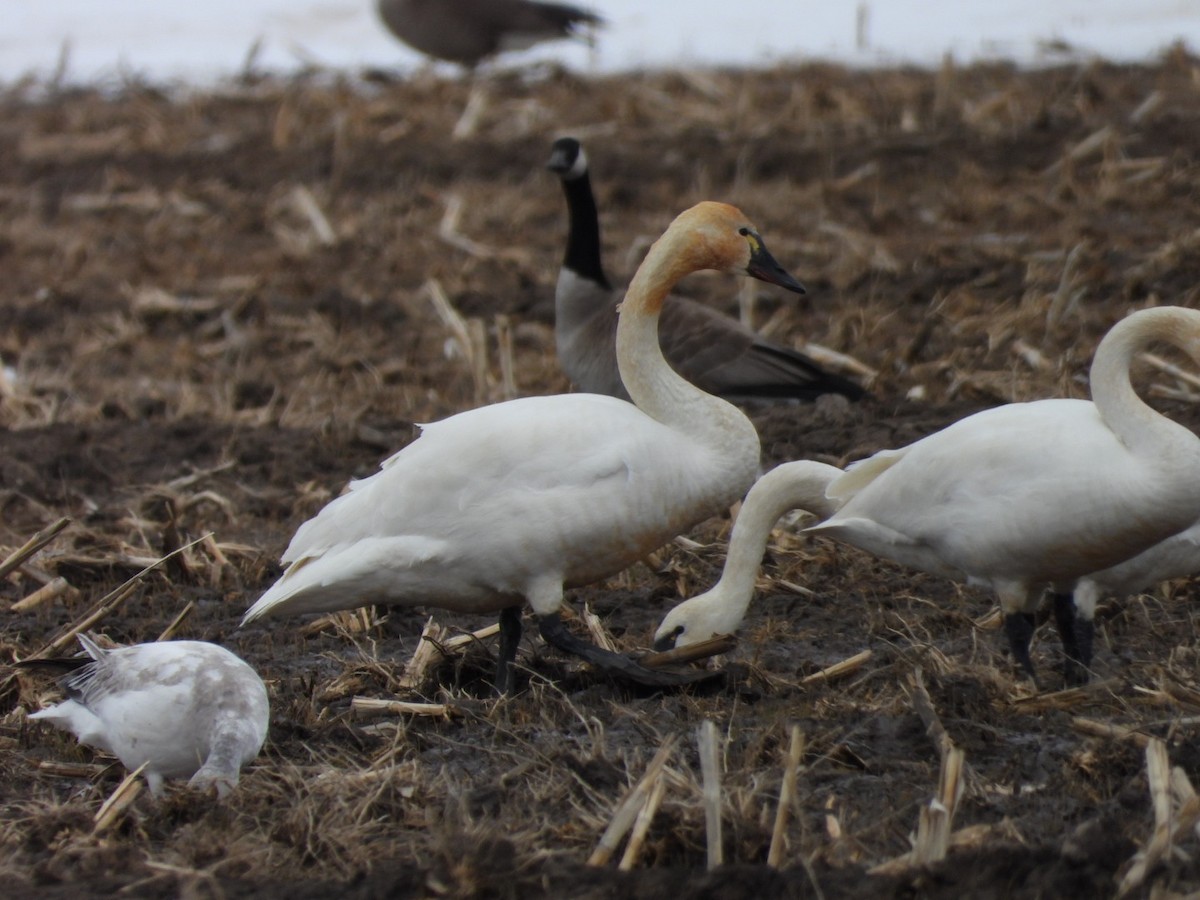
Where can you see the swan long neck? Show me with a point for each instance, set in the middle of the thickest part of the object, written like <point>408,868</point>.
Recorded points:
<point>794,485</point>
<point>653,385</point>
<point>720,610</point>
<point>1139,427</point>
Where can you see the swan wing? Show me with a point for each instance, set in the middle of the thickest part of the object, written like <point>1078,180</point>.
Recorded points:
<point>365,570</point>
<point>1043,490</point>
<point>860,474</point>
<point>485,503</point>
<point>1176,557</point>
<point>467,462</point>
<point>887,543</point>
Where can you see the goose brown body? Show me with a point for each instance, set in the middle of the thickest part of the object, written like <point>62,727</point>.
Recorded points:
<point>470,31</point>
<point>709,349</point>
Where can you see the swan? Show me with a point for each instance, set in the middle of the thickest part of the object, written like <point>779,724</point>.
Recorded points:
<point>469,31</point>
<point>513,502</point>
<point>1075,613</point>
<point>1050,492</point>
<point>720,610</point>
<point>710,350</point>
<point>185,709</point>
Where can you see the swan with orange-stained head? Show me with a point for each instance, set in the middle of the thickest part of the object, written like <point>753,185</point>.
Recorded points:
<point>1024,495</point>
<point>511,503</point>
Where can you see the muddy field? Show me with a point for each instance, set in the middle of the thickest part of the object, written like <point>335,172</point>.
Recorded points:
<point>216,308</point>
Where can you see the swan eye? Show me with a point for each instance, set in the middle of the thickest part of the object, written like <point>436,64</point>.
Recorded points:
<point>744,231</point>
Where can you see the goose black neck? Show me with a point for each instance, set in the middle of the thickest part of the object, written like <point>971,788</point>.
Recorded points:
<point>583,231</point>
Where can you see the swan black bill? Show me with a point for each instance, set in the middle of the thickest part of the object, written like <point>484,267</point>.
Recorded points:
<point>764,267</point>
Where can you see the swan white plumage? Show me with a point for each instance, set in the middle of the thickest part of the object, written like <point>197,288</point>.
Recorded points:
<point>1038,493</point>
<point>186,709</point>
<point>1033,494</point>
<point>720,610</point>
<point>1176,557</point>
<point>515,501</point>
<point>1075,613</point>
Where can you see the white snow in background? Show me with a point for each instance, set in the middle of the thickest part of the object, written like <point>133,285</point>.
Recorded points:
<point>205,40</point>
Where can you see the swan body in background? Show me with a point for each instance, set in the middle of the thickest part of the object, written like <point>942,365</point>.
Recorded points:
<point>1030,494</point>
<point>513,502</point>
<point>470,31</point>
<point>711,350</point>
<point>1075,613</point>
<point>185,709</point>
<point>720,610</point>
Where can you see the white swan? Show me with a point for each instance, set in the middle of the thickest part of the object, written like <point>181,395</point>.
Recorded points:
<point>720,610</point>
<point>513,502</point>
<point>1033,494</point>
<point>1075,613</point>
<point>184,708</point>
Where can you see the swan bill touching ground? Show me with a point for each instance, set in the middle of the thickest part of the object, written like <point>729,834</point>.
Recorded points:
<point>711,350</point>
<point>469,31</point>
<point>513,502</point>
<point>1024,496</point>
<point>720,610</point>
<point>185,709</point>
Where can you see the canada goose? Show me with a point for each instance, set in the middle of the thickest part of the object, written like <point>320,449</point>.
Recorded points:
<point>1051,492</point>
<point>516,501</point>
<point>185,709</point>
<point>711,350</point>
<point>470,31</point>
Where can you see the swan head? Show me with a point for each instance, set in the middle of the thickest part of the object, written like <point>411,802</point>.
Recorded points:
<point>567,159</point>
<point>702,617</point>
<point>722,238</point>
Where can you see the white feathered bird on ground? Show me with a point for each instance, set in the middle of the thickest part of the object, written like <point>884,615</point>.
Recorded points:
<point>513,502</point>
<point>1030,494</point>
<point>185,709</point>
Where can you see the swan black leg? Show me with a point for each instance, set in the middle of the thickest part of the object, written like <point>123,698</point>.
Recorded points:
<point>510,638</point>
<point>1019,628</point>
<point>1076,634</point>
<point>616,664</point>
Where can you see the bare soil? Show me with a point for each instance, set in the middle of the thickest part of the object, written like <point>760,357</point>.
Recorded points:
<point>214,311</point>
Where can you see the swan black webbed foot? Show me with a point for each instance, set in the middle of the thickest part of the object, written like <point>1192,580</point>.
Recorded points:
<point>1076,633</point>
<point>506,654</point>
<point>1019,628</point>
